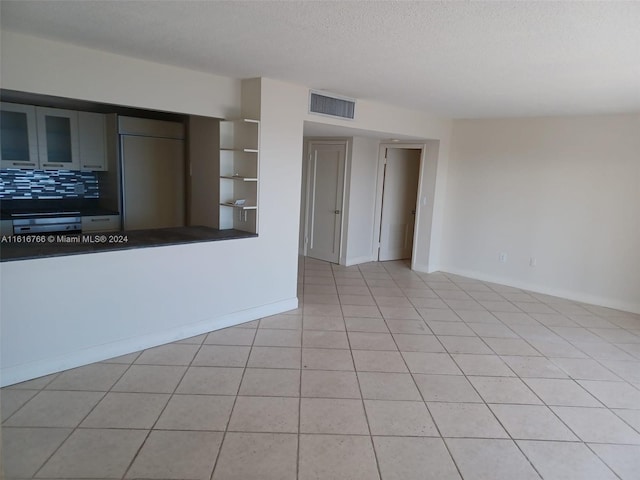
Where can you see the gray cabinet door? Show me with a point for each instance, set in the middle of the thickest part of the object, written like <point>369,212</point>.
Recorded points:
<point>153,181</point>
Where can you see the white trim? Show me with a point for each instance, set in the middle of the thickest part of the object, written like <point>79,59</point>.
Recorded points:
<point>377,215</point>
<point>556,292</point>
<point>358,260</point>
<point>422,268</point>
<point>21,373</point>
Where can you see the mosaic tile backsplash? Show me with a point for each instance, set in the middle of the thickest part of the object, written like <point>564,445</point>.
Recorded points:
<point>18,184</point>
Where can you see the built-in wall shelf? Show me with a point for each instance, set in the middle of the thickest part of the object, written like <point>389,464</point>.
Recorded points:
<point>239,173</point>
<point>239,178</point>
<point>246,150</point>
<point>240,207</point>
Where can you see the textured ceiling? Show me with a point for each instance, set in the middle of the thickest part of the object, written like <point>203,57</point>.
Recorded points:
<point>456,59</point>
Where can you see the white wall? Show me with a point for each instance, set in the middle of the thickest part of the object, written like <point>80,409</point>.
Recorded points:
<point>36,65</point>
<point>280,179</point>
<point>67,311</point>
<point>563,190</point>
<point>91,307</point>
<point>430,211</point>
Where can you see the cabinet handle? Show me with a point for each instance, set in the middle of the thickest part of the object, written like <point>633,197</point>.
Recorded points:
<point>100,219</point>
<point>23,164</point>
<point>53,165</point>
<point>92,166</point>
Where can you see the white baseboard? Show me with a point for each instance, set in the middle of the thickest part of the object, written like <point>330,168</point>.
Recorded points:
<point>21,373</point>
<point>421,267</point>
<point>426,268</point>
<point>358,260</point>
<point>545,290</point>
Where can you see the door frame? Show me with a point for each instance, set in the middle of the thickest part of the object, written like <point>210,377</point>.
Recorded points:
<point>379,195</point>
<point>307,187</point>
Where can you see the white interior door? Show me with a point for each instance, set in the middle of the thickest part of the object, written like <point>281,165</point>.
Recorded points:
<point>324,200</point>
<point>399,198</point>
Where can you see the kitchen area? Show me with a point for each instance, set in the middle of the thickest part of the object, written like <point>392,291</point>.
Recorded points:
<point>124,297</point>
<point>80,177</point>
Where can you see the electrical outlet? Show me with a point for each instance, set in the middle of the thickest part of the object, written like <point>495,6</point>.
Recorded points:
<point>503,257</point>
<point>533,262</point>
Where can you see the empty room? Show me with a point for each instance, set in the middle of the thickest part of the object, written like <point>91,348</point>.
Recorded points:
<point>295,240</point>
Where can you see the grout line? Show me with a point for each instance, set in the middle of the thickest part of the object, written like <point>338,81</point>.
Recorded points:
<point>233,406</point>
<point>433,421</point>
<point>602,459</point>
<point>412,374</point>
<point>298,436</point>
<point>364,408</point>
<point>74,429</point>
<point>171,395</point>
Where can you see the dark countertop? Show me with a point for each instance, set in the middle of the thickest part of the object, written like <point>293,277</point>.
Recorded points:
<point>107,242</point>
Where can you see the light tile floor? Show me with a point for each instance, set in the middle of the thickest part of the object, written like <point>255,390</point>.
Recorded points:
<point>381,373</point>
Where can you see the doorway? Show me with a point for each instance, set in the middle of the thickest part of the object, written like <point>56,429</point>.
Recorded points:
<point>324,199</point>
<point>400,183</point>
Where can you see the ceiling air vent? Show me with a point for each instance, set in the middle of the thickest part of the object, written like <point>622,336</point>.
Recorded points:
<point>332,105</point>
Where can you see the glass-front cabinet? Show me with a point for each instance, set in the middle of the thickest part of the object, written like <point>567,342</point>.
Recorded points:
<point>33,137</point>
<point>58,138</point>
<point>18,136</point>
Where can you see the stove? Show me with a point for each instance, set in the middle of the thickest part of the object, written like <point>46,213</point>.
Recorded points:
<point>46,222</point>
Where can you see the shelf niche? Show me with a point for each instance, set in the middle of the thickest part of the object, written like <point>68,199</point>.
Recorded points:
<point>239,179</point>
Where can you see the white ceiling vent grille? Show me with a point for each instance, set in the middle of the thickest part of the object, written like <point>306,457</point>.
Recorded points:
<point>331,105</point>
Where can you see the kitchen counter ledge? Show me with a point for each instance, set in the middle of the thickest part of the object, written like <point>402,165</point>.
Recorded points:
<point>92,242</point>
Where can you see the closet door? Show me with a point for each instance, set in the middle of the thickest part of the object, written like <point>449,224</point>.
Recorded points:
<point>325,197</point>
